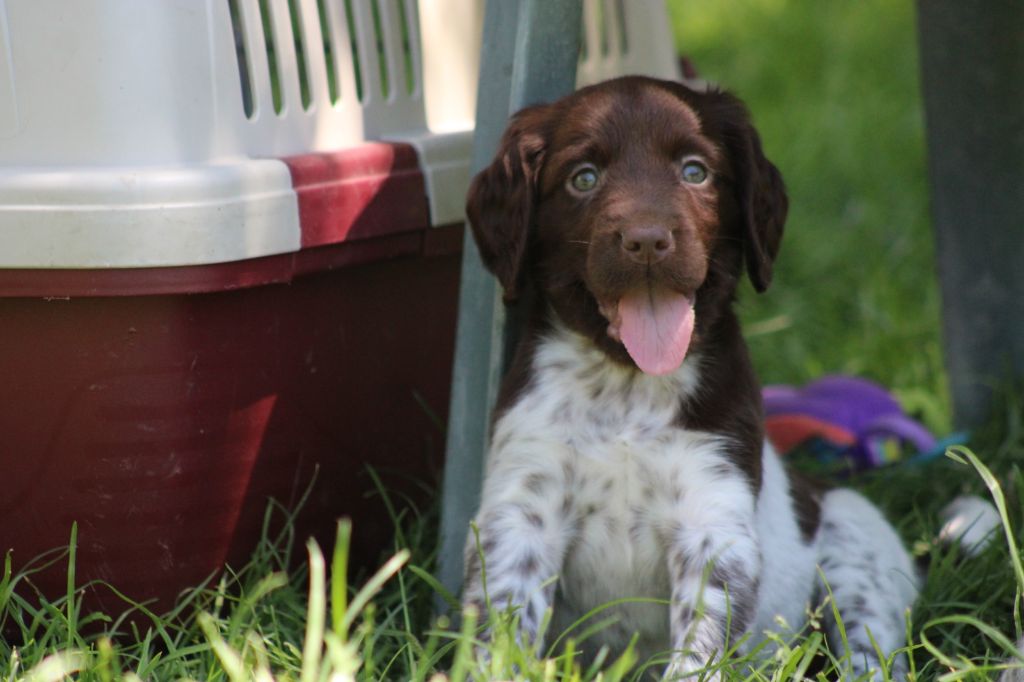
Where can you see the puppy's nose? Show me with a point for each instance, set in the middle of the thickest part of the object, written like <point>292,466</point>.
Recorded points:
<point>646,243</point>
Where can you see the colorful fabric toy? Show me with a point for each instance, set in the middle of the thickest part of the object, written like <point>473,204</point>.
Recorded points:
<point>847,418</point>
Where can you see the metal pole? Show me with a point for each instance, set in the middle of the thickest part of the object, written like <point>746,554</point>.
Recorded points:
<point>529,54</point>
<point>972,58</point>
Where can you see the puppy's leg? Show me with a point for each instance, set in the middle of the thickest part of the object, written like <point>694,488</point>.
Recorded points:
<point>870,575</point>
<point>714,570</point>
<point>524,528</point>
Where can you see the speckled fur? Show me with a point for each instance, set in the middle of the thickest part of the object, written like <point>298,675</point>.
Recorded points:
<point>604,483</point>
<point>593,495</point>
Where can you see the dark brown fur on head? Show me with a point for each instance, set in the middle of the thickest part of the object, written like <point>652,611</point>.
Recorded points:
<point>529,222</point>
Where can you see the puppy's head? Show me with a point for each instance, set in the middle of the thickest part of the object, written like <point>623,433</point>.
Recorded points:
<point>633,205</point>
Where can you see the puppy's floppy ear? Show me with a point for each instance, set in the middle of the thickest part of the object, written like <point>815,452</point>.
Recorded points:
<point>502,198</point>
<point>759,190</point>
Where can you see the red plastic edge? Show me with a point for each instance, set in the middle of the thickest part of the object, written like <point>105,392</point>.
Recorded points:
<point>356,206</point>
<point>366,191</point>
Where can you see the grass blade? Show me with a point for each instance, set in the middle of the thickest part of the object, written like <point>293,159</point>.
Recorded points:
<point>229,659</point>
<point>71,606</point>
<point>339,575</point>
<point>312,649</point>
<point>372,587</point>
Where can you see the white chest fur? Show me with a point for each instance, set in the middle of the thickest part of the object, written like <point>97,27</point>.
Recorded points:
<point>595,487</point>
<point>595,451</point>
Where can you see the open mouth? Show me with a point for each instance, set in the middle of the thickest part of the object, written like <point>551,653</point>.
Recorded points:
<point>654,323</point>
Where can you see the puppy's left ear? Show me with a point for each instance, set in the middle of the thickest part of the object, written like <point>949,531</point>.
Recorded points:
<point>760,192</point>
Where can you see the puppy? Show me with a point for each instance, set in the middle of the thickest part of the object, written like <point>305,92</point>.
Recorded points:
<point>628,456</point>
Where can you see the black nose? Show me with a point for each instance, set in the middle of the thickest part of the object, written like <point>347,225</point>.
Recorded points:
<point>647,244</point>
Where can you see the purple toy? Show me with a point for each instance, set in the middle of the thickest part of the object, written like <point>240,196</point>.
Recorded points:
<point>854,416</point>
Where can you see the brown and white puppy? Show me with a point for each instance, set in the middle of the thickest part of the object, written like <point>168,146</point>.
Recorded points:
<point>628,456</point>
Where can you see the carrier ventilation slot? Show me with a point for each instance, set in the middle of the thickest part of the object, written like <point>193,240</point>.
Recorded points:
<point>609,19</point>
<point>270,40</point>
<point>327,39</point>
<point>299,41</point>
<point>353,41</point>
<point>380,36</point>
<point>242,55</point>
<point>408,35</point>
<point>382,53</point>
<point>603,29</point>
<point>620,21</point>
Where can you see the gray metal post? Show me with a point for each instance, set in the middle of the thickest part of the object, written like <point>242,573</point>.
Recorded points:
<point>972,61</point>
<point>529,55</point>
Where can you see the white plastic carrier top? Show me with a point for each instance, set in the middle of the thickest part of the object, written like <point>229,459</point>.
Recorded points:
<point>140,133</point>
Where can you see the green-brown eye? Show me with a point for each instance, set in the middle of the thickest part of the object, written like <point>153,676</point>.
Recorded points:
<point>694,172</point>
<point>584,179</point>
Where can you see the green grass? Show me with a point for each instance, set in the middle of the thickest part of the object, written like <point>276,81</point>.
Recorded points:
<point>267,622</point>
<point>833,90</point>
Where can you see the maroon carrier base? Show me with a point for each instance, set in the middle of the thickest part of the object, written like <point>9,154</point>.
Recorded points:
<point>161,408</point>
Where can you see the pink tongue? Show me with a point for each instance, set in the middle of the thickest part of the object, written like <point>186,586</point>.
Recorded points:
<point>656,326</point>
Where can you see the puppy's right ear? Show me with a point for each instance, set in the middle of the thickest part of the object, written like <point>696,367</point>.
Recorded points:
<point>502,198</point>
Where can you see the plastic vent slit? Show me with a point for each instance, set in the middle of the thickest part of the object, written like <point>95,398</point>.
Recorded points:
<point>620,16</point>
<point>299,41</point>
<point>327,39</point>
<point>242,55</point>
<point>353,41</point>
<point>270,40</point>
<point>382,56</point>
<point>407,58</point>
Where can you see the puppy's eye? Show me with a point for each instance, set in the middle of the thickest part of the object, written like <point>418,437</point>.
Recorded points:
<point>585,179</point>
<point>694,172</point>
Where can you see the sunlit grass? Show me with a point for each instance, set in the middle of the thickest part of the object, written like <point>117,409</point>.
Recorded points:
<point>274,621</point>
